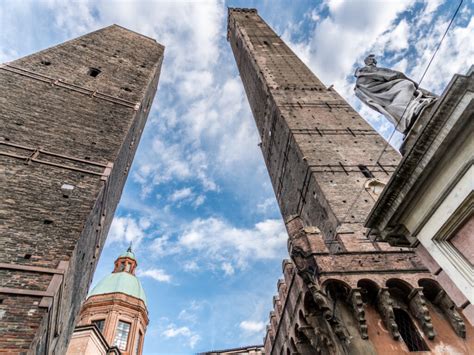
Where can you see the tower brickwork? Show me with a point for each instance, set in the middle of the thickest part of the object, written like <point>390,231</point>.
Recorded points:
<point>72,116</point>
<point>323,161</point>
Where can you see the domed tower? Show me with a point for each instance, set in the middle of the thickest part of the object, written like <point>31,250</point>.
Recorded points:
<point>117,307</point>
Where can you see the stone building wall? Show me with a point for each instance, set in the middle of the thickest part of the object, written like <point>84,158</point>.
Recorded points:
<point>324,161</point>
<point>72,116</point>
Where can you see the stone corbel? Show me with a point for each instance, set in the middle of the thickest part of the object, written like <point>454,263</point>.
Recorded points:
<point>385,308</point>
<point>447,306</point>
<point>355,299</point>
<point>418,308</point>
<point>317,339</point>
<point>308,270</point>
<point>398,236</point>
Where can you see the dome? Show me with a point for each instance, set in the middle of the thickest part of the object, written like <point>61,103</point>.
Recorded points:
<point>123,282</point>
<point>128,254</point>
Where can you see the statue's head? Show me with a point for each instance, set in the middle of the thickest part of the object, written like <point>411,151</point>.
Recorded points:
<point>370,60</point>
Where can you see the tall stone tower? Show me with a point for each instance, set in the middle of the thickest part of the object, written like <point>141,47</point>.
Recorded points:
<point>117,307</point>
<point>322,158</point>
<point>72,116</point>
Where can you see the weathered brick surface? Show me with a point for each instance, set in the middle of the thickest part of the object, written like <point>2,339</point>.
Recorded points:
<point>79,123</point>
<point>314,145</point>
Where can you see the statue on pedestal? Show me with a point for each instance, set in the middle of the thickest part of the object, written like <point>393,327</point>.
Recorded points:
<point>392,94</point>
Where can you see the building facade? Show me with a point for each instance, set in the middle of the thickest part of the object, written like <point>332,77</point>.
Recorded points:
<point>342,293</point>
<point>72,116</point>
<point>245,350</point>
<point>116,306</point>
<point>428,203</point>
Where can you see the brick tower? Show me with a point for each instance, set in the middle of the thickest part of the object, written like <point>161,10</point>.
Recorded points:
<point>117,307</point>
<point>322,158</point>
<point>72,116</point>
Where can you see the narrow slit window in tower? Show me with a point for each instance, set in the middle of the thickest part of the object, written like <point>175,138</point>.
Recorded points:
<point>94,72</point>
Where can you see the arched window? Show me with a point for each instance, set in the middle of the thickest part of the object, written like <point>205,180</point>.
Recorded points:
<point>369,291</point>
<point>408,331</point>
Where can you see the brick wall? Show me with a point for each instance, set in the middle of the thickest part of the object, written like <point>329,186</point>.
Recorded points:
<point>64,126</point>
<point>321,157</point>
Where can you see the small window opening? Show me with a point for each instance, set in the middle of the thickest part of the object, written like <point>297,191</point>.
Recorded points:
<point>408,331</point>
<point>266,43</point>
<point>366,172</point>
<point>27,256</point>
<point>46,62</point>
<point>94,72</point>
<point>48,221</point>
<point>127,89</point>
<point>121,335</point>
<point>99,323</point>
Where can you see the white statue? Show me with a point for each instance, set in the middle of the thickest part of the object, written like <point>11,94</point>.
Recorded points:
<point>391,93</point>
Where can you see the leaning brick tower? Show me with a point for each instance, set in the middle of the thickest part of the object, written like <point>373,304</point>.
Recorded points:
<point>342,293</point>
<point>72,116</point>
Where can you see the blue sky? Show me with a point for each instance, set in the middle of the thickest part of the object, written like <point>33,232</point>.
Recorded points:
<point>198,204</point>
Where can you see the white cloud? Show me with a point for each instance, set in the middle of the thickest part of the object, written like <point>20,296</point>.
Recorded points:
<point>218,241</point>
<point>351,28</point>
<point>214,244</point>
<point>127,230</point>
<point>398,37</point>
<point>190,314</point>
<point>172,331</point>
<point>199,200</point>
<point>186,195</point>
<point>75,20</point>
<point>191,266</point>
<point>228,269</point>
<point>252,326</point>
<point>267,205</point>
<point>181,194</point>
<point>454,56</point>
<point>156,274</point>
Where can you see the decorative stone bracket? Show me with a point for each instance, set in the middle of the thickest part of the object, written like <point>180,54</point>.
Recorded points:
<point>317,339</point>
<point>307,269</point>
<point>418,308</point>
<point>385,307</point>
<point>448,307</point>
<point>355,299</point>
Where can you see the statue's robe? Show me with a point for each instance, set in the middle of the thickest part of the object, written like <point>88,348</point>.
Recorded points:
<point>392,94</point>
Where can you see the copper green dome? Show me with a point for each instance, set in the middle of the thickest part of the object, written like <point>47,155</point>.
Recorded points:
<point>128,254</point>
<point>122,279</point>
<point>122,282</point>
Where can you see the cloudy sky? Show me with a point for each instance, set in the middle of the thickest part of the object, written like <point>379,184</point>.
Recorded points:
<point>198,204</point>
